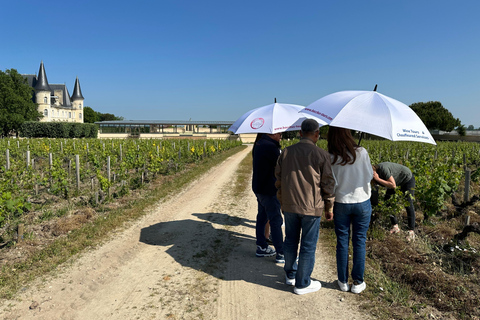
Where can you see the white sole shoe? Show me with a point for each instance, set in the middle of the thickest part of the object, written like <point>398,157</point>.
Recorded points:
<point>313,287</point>
<point>345,287</point>
<point>359,288</point>
<point>290,282</point>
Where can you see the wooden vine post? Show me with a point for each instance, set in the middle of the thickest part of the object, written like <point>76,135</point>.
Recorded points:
<point>8,160</point>
<point>77,170</point>
<point>20,231</point>
<point>466,195</point>
<point>108,168</point>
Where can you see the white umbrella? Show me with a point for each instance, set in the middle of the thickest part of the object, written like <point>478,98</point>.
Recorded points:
<point>370,112</point>
<point>273,118</point>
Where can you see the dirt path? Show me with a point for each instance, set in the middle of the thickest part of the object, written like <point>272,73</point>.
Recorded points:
<point>191,257</point>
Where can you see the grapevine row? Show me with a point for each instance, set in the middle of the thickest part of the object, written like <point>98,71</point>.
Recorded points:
<point>30,168</point>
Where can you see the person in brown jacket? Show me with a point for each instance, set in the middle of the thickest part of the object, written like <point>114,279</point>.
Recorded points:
<point>305,188</point>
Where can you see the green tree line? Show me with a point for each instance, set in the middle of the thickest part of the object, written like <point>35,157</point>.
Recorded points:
<point>92,116</point>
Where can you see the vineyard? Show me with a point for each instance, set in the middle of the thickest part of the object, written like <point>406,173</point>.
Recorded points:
<point>437,274</point>
<point>441,269</point>
<point>35,172</point>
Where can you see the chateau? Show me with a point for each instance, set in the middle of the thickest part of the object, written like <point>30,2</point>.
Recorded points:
<point>54,101</point>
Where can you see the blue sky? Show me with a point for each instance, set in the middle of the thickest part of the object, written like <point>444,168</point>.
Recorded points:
<point>215,60</point>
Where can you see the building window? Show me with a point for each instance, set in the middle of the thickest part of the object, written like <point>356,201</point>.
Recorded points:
<point>80,115</point>
<point>45,113</point>
<point>80,106</point>
<point>44,99</point>
<point>69,114</point>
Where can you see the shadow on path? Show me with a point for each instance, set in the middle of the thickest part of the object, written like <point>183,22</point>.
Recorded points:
<point>223,253</point>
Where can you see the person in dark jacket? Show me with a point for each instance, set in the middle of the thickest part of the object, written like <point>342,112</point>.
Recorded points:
<point>265,154</point>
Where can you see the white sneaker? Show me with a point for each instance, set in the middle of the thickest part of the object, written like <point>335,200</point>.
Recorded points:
<point>343,286</point>
<point>290,282</point>
<point>411,235</point>
<point>314,286</point>
<point>357,288</point>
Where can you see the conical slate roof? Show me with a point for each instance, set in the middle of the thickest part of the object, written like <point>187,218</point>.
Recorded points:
<point>77,92</point>
<point>66,97</point>
<point>42,82</point>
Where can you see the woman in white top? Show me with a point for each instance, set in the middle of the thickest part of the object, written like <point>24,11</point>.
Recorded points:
<point>353,172</point>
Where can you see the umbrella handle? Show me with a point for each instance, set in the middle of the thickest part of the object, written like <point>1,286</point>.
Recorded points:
<point>360,139</point>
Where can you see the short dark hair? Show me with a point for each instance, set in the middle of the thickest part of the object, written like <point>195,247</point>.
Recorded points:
<point>309,125</point>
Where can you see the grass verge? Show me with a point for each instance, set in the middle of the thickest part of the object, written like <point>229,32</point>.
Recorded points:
<point>243,175</point>
<point>44,261</point>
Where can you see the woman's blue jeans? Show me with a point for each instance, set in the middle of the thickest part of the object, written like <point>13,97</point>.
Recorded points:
<point>358,216</point>
<point>309,227</point>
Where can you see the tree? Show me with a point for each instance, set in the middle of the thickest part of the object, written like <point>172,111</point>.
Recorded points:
<point>470,127</point>
<point>108,117</point>
<point>16,104</point>
<point>435,116</point>
<point>462,131</point>
<point>92,116</point>
<point>89,115</point>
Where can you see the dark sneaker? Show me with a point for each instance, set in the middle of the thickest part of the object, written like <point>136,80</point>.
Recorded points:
<point>280,258</point>
<point>265,252</point>
<point>270,240</point>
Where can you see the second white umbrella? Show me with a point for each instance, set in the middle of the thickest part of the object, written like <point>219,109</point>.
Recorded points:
<point>370,112</point>
<point>272,118</point>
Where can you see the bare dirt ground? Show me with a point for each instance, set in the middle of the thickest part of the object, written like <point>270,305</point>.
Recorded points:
<point>191,257</point>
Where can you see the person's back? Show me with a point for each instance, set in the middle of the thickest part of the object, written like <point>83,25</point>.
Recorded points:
<point>353,180</point>
<point>307,167</point>
<point>400,173</point>
<point>392,175</point>
<point>265,154</point>
<point>305,186</point>
<point>352,210</point>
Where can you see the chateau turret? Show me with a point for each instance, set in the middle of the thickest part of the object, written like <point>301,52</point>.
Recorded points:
<point>54,101</point>
<point>77,92</point>
<point>42,82</point>
<point>43,94</point>
<point>77,100</point>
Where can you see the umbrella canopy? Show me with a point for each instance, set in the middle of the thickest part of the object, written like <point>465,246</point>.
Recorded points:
<point>273,118</point>
<point>370,112</point>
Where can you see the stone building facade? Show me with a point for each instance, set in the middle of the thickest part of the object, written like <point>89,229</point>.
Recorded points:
<point>53,100</point>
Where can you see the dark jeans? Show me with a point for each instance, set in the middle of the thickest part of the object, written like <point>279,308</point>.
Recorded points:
<point>303,230</point>
<point>269,210</point>
<point>407,189</point>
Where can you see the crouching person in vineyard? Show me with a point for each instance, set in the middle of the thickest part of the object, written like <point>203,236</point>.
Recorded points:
<point>392,175</point>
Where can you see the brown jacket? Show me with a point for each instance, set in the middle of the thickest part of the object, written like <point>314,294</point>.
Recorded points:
<point>305,180</point>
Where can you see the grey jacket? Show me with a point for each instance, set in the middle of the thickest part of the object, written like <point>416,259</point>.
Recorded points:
<point>305,180</point>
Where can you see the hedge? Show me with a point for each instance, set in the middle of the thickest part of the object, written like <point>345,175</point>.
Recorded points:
<point>33,129</point>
